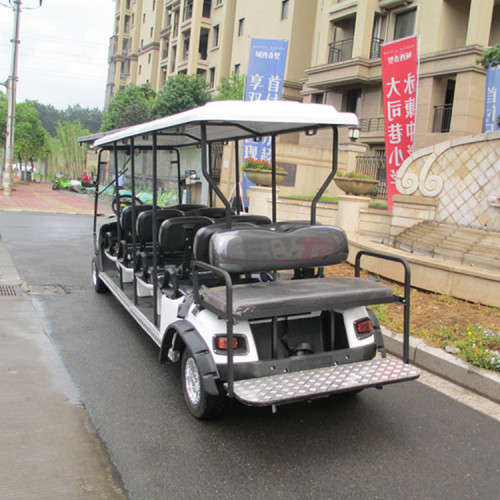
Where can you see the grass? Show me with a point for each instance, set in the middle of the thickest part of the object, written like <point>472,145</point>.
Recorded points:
<point>442,321</point>
<point>330,199</point>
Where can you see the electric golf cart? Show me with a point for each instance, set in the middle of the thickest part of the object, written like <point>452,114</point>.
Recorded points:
<point>241,301</point>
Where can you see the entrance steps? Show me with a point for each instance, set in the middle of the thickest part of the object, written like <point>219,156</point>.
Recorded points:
<point>471,247</point>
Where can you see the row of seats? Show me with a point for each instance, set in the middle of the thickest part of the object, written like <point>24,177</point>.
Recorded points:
<point>176,235</point>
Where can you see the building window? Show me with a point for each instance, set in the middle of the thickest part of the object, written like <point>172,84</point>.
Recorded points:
<point>284,9</point>
<point>143,18</point>
<point>212,77</point>
<point>188,10</point>
<point>215,36</point>
<point>218,2</point>
<point>237,68</point>
<point>318,98</point>
<point>207,7</point>
<point>241,25</point>
<point>151,32</point>
<point>405,24</point>
<point>154,5</point>
<point>353,101</point>
<point>203,45</point>
<point>140,69</point>
<point>164,54</point>
<point>173,55</point>
<point>185,46</point>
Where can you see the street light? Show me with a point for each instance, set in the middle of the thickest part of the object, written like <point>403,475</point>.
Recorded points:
<point>353,133</point>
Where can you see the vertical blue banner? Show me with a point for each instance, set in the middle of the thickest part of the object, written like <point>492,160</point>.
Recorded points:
<point>491,110</point>
<point>266,71</point>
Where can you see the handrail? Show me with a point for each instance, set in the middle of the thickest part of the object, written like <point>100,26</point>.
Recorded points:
<point>330,177</point>
<point>229,314</point>
<point>405,301</point>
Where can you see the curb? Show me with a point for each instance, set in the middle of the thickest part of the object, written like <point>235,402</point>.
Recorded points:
<point>445,365</point>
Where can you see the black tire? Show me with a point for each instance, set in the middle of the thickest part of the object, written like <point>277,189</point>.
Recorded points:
<point>200,404</point>
<point>99,285</point>
<point>55,186</point>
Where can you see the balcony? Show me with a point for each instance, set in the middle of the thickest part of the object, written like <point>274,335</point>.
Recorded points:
<point>375,48</point>
<point>442,118</point>
<point>371,124</point>
<point>340,51</point>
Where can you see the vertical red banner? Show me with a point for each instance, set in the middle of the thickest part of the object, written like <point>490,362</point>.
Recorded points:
<point>399,87</point>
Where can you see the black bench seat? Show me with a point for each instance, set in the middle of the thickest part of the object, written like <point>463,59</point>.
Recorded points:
<point>277,298</point>
<point>266,249</point>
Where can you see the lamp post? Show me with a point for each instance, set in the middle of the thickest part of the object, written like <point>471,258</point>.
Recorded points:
<point>353,133</point>
<point>11,105</point>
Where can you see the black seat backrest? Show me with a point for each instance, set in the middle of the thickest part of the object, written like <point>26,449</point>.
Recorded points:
<point>201,248</point>
<point>145,222</point>
<point>259,220</point>
<point>126,221</point>
<point>263,249</point>
<point>176,239</point>
<point>187,207</point>
<point>212,212</point>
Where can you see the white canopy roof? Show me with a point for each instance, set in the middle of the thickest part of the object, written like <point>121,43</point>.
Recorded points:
<point>229,120</point>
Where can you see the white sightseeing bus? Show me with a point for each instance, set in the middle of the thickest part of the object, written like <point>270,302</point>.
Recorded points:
<point>241,301</point>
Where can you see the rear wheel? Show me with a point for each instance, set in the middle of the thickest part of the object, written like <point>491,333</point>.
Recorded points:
<point>201,404</point>
<point>99,285</point>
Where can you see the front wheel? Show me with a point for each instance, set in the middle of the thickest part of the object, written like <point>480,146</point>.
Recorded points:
<point>99,285</point>
<point>200,404</point>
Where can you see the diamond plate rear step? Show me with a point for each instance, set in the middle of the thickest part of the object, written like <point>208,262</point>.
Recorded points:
<point>309,384</point>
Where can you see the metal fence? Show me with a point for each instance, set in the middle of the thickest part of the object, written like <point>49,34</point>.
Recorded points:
<point>340,51</point>
<point>442,118</point>
<point>374,166</point>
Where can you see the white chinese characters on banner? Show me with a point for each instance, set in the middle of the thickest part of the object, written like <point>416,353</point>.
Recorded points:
<point>490,100</point>
<point>399,81</point>
<point>266,71</point>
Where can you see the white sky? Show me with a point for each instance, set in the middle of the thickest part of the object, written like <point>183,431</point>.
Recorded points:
<point>63,55</point>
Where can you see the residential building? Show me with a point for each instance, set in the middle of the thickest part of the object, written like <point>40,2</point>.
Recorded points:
<point>345,68</point>
<point>155,39</point>
<point>334,52</point>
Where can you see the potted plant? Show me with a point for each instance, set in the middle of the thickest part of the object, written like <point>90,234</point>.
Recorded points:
<point>355,183</point>
<point>260,172</point>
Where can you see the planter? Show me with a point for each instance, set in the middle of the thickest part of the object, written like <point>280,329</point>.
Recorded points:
<point>352,185</point>
<point>264,177</point>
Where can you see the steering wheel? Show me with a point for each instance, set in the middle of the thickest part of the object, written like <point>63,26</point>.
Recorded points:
<point>124,200</point>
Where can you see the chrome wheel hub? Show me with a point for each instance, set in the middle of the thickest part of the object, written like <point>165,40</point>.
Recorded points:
<point>192,381</point>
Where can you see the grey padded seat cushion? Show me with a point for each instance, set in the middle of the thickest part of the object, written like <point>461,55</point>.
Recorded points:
<point>267,299</point>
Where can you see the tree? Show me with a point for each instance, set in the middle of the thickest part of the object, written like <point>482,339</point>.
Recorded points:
<point>490,57</point>
<point>66,155</point>
<point>232,88</point>
<point>90,119</point>
<point>128,107</point>
<point>180,93</point>
<point>30,139</point>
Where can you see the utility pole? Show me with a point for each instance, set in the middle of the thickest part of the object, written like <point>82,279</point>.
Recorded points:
<point>11,104</point>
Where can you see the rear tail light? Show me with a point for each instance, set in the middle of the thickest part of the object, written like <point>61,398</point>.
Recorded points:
<point>221,343</point>
<point>363,328</point>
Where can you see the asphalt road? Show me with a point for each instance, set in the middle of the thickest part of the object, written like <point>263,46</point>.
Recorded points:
<point>405,441</point>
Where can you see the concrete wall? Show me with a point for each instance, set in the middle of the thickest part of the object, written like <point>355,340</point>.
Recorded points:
<point>461,177</point>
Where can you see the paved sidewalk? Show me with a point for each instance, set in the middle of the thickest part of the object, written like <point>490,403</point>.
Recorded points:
<point>50,448</point>
<point>40,197</point>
